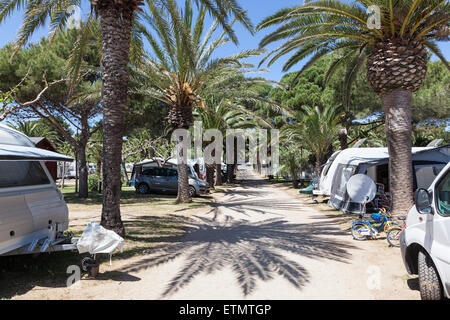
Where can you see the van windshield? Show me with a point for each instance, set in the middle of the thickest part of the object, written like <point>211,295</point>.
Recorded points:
<point>21,174</point>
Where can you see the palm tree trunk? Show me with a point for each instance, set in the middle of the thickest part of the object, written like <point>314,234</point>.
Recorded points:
<point>183,184</point>
<point>397,109</point>
<point>258,163</point>
<point>218,174</point>
<point>343,134</point>
<point>230,173</point>
<point>210,175</point>
<point>124,167</point>
<point>318,170</point>
<point>115,27</point>
<point>294,176</point>
<point>99,167</point>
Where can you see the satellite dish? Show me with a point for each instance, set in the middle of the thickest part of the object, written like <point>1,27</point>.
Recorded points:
<point>361,188</point>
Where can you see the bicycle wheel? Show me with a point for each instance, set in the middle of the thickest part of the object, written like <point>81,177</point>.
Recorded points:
<point>359,231</point>
<point>393,236</point>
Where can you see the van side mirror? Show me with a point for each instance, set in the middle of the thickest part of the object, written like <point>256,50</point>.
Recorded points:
<point>423,200</point>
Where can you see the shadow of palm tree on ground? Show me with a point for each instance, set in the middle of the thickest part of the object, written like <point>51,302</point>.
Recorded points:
<point>253,250</point>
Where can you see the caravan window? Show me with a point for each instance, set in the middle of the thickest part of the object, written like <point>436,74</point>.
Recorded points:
<point>21,174</point>
<point>343,174</point>
<point>329,163</point>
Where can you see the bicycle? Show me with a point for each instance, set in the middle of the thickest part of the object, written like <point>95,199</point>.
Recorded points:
<point>393,235</point>
<point>382,199</point>
<point>362,228</point>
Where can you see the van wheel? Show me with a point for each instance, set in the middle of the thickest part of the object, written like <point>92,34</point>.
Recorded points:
<point>143,188</point>
<point>429,283</point>
<point>192,192</point>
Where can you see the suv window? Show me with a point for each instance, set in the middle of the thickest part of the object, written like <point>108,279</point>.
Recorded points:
<point>172,173</point>
<point>21,174</point>
<point>443,195</point>
<point>148,172</point>
<point>155,172</point>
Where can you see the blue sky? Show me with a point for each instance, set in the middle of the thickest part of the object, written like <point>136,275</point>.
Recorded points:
<point>257,10</point>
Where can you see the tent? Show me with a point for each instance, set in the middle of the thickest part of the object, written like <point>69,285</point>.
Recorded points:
<point>427,163</point>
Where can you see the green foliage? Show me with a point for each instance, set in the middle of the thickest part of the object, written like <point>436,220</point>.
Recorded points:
<point>431,101</point>
<point>319,27</point>
<point>182,71</point>
<point>40,128</point>
<point>307,91</point>
<point>44,62</point>
<point>293,159</point>
<point>144,112</point>
<point>57,13</point>
<point>424,133</point>
<point>93,182</point>
<point>316,130</point>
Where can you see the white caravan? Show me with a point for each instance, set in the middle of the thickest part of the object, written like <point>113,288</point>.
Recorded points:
<point>425,243</point>
<point>427,163</point>
<point>33,213</point>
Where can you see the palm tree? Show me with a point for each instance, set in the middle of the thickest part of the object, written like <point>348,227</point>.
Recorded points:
<point>222,115</point>
<point>35,129</point>
<point>316,130</point>
<point>395,54</point>
<point>182,66</point>
<point>116,22</point>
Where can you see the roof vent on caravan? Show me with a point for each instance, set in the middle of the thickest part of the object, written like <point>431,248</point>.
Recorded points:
<point>435,143</point>
<point>359,143</point>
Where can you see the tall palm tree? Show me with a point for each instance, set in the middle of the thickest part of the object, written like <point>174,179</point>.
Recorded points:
<point>316,130</point>
<point>395,52</point>
<point>181,66</point>
<point>116,22</point>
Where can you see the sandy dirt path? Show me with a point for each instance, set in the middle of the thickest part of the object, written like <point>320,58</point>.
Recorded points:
<point>258,242</point>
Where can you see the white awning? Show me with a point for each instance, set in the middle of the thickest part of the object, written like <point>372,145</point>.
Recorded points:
<point>12,152</point>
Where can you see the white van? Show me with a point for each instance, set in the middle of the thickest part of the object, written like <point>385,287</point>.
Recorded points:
<point>425,243</point>
<point>33,213</point>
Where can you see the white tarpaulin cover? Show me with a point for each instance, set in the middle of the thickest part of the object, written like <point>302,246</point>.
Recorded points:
<point>96,239</point>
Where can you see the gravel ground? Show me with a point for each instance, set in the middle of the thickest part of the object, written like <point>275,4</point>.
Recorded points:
<point>258,241</point>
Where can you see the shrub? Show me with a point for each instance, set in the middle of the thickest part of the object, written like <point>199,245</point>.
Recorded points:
<point>93,181</point>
